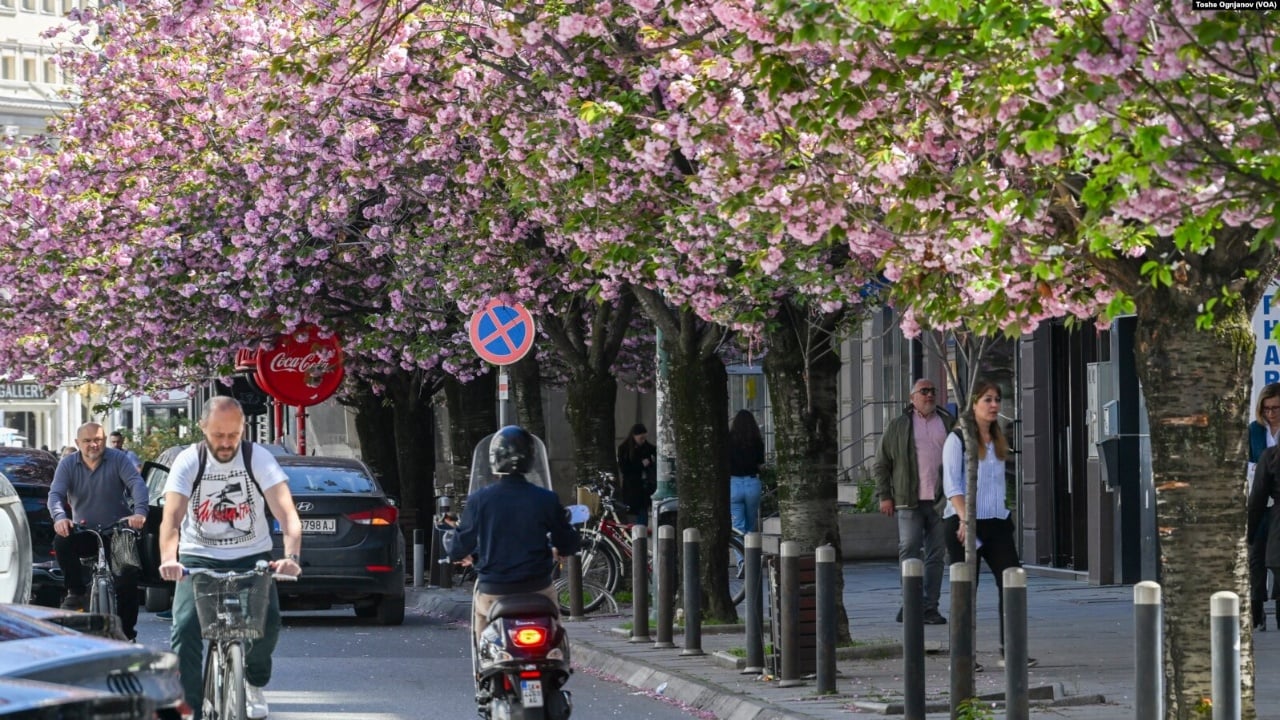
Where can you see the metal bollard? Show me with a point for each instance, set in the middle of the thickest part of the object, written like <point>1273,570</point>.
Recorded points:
<point>753,604</point>
<point>825,579</point>
<point>419,555</point>
<point>639,584</point>
<point>666,560</point>
<point>1224,654</point>
<point>789,610</point>
<point>692,594</point>
<point>1148,622</point>
<point>962,650</point>
<point>573,568</point>
<point>1017,702</point>
<point>913,707</point>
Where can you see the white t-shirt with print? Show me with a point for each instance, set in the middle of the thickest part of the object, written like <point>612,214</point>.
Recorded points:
<point>227,518</point>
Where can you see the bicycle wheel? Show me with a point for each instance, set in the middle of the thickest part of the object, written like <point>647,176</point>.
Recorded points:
<point>213,679</point>
<point>102,598</point>
<point>234,706</point>
<point>601,570</point>
<point>737,571</point>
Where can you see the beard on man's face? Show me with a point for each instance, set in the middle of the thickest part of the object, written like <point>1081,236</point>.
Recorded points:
<point>222,454</point>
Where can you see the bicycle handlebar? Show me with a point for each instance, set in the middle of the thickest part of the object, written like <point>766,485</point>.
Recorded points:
<point>261,569</point>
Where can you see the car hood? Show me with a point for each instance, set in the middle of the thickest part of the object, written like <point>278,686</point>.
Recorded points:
<point>44,658</point>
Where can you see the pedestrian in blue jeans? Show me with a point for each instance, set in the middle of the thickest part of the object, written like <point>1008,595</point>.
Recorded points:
<point>746,455</point>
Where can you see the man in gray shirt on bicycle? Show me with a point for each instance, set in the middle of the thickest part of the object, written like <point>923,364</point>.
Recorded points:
<point>218,503</point>
<point>97,487</point>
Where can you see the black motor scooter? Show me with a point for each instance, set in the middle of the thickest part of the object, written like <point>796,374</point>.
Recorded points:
<point>521,659</point>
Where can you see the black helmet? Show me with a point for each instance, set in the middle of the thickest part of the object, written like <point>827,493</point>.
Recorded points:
<point>511,451</point>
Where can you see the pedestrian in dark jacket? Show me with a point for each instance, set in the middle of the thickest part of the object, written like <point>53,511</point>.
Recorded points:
<point>1263,432</point>
<point>636,466</point>
<point>908,473</point>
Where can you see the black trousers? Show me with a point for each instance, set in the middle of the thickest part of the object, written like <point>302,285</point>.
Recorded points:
<point>998,550</point>
<point>68,551</point>
<point>1258,571</point>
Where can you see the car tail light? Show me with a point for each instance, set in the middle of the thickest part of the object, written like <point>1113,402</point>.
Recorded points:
<point>378,568</point>
<point>529,637</point>
<point>376,516</point>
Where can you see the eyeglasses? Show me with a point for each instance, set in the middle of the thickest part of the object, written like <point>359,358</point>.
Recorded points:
<point>928,391</point>
<point>1270,408</point>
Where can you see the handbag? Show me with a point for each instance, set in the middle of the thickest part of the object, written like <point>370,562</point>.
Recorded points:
<point>124,552</point>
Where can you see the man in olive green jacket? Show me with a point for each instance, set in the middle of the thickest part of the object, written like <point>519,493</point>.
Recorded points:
<point>908,481</point>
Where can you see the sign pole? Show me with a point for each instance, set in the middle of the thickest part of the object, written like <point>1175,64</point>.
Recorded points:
<point>302,430</point>
<point>504,396</point>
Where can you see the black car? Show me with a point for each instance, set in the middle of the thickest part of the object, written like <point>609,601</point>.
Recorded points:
<point>30,470</point>
<point>353,552</point>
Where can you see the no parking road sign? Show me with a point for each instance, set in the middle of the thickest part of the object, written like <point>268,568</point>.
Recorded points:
<point>502,334</point>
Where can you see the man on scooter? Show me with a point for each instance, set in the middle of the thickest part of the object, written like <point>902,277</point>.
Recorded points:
<point>505,529</point>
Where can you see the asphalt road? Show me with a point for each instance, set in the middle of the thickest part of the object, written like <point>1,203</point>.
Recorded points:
<point>330,666</point>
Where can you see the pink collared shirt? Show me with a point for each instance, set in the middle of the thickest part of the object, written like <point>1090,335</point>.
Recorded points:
<point>930,434</point>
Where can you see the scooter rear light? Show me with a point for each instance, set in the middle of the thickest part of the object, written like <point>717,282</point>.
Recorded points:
<point>529,637</point>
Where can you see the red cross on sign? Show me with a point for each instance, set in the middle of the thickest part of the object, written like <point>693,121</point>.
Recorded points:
<point>502,334</point>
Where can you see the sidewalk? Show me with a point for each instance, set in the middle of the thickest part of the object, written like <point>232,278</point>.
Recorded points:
<point>1081,635</point>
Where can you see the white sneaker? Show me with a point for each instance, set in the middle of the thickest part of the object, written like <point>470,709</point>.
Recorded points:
<point>257,704</point>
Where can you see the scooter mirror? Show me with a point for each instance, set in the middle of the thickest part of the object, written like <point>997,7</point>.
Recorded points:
<point>578,514</point>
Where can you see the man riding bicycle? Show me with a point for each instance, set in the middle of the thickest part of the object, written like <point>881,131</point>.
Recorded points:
<point>101,485</point>
<point>218,502</point>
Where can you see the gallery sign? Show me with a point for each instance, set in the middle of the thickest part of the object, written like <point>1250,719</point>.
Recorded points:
<point>22,391</point>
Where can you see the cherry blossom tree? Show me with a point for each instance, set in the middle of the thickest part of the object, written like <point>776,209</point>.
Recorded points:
<point>1032,161</point>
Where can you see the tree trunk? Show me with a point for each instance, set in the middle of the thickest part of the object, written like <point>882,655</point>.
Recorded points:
<point>700,417</point>
<point>526,395</point>
<point>1196,384</point>
<point>589,408</point>
<point>415,447</point>
<point>473,414</point>
<point>375,426</point>
<point>587,337</point>
<point>802,370</point>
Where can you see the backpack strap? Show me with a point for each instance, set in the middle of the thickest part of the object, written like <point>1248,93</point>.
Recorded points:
<point>246,452</point>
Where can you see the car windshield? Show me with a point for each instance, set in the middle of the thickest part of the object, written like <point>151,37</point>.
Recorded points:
<point>27,469</point>
<point>328,479</point>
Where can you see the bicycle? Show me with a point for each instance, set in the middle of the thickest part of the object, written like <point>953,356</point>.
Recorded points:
<point>232,608</point>
<point>606,552</point>
<point>102,584</point>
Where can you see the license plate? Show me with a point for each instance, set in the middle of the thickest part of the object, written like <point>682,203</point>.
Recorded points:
<point>531,693</point>
<point>311,526</point>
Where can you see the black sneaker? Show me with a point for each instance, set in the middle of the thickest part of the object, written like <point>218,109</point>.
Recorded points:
<point>899,618</point>
<point>73,601</point>
<point>934,618</point>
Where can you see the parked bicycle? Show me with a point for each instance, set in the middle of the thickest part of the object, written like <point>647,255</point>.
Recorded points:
<point>232,607</point>
<point>606,552</point>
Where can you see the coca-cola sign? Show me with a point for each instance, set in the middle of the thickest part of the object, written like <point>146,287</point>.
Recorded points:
<point>302,369</point>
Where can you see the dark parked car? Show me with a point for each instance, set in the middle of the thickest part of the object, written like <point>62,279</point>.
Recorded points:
<point>352,550</point>
<point>30,471</point>
<point>35,650</point>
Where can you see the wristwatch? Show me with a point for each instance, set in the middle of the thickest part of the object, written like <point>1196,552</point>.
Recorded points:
<point>294,557</point>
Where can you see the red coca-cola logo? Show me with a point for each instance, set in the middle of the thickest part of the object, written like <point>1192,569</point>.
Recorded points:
<point>302,369</point>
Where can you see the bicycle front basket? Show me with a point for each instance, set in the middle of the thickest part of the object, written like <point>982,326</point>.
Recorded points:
<point>232,607</point>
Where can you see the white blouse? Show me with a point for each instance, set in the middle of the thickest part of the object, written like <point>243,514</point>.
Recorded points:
<point>991,495</point>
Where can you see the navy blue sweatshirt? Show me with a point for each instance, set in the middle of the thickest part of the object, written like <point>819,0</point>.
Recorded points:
<point>506,526</point>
